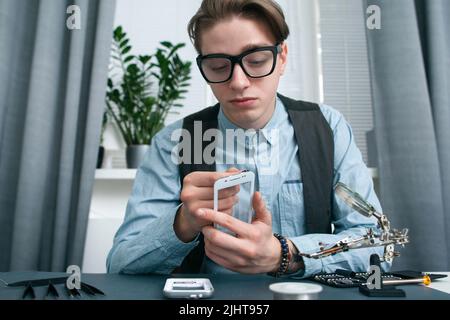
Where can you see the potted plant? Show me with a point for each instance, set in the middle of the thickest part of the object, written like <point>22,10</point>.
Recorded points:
<point>134,104</point>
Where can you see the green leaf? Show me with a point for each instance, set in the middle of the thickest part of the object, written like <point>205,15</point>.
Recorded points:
<point>128,59</point>
<point>123,43</point>
<point>167,44</point>
<point>144,59</point>
<point>117,32</point>
<point>174,49</point>
<point>132,69</point>
<point>125,50</point>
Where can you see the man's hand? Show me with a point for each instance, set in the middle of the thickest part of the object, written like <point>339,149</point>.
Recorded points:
<point>198,192</point>
<point>253,250</point>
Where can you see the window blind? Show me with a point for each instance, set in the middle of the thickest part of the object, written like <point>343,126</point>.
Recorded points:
<point>345,69</point>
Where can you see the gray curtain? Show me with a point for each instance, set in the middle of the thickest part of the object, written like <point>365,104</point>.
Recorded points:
<point>410,68</point>
<point>52,87</point>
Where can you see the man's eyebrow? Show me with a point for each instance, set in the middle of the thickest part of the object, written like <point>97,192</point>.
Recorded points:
<point>248,47</point>
<point>255,45</point>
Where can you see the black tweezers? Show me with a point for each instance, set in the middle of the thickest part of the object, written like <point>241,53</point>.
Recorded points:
<point>51,290</point>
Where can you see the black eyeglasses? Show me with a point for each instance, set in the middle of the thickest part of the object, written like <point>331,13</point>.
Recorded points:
<point>256,63</point>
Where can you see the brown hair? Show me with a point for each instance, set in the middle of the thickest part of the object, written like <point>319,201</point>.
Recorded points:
<point>212,11</point>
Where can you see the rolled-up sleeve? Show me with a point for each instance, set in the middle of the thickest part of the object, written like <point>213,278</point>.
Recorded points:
<point>350,169</point>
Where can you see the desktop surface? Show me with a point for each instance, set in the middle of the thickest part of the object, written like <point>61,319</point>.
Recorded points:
<point>226,287</point>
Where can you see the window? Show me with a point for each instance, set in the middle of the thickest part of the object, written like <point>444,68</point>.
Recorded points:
<point>345,71</point>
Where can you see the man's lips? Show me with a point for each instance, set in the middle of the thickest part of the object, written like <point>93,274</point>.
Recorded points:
<point>240,100</point>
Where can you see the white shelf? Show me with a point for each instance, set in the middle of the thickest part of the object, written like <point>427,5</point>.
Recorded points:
<point>115,174</point>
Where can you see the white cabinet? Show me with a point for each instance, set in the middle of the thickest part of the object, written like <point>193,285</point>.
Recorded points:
<point>112,187</point>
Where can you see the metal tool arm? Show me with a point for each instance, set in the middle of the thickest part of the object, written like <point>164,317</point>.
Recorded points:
<point>386,237</point>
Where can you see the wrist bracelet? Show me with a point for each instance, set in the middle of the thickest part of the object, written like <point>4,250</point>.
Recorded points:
<point>285,256</point>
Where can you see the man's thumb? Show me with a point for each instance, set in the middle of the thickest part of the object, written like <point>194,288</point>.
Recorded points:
<point>261,212</point>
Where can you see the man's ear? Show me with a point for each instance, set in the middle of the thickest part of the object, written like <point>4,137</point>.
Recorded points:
<point>283,57</point>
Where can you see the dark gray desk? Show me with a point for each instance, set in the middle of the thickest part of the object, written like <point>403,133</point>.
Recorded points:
<point>227,287</point>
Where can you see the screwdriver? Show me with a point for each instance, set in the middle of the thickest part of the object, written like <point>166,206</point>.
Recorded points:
<point>426,280</point>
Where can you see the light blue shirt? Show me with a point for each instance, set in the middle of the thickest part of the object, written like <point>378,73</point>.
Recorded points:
<point>146,242</point>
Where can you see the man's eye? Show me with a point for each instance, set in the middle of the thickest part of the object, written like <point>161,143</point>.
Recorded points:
<point>257,62</point>
<point>219,68</point>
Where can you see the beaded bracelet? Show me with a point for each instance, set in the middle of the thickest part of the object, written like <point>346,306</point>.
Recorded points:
<point>285,256</point>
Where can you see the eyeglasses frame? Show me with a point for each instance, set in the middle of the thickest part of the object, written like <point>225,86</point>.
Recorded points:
<point>276,49</point>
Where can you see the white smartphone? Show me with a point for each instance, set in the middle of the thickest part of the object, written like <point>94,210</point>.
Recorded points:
<point>188,288</point>
<point>243,209</point>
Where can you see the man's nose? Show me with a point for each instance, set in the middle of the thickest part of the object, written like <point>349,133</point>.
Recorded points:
<point>239,80</point>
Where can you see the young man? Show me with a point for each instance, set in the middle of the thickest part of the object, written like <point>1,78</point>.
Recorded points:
<point>169,220</point>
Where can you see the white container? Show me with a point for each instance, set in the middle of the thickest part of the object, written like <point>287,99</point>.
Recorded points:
<point>295,291</point>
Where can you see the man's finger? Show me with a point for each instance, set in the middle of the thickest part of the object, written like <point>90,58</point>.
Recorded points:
<point>227,204</point>
<point>229,222</point>
<point>225,243</point>
<point>261,212</point>
<point>206,178</point>
<point>218,175</point>
<point>228,192</point>
<point>207,193</point>
<point>234,254</point>
<point>224,205</point>
<point>218,259</point>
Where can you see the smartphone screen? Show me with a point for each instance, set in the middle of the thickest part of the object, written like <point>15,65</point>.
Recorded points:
<point>242,209</point>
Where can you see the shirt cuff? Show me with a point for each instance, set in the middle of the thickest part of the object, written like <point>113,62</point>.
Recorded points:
<point>305,244</point>
<point>171,242</point>
<point>173,248</point>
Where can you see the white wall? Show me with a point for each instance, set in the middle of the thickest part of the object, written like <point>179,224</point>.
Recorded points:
<point>108,204</point>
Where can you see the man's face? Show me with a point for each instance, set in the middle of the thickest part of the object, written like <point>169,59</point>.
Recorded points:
<point>247,102</point>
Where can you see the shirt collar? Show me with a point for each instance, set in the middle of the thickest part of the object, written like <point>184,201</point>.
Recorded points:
<point>278,117</point>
